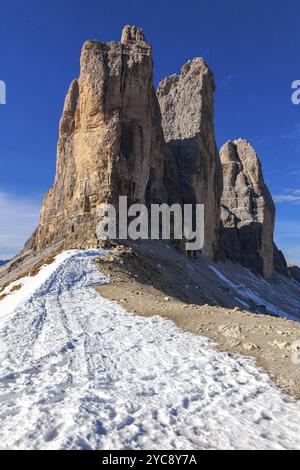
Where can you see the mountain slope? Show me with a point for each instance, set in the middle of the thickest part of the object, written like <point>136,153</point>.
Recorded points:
<point>79,371</point>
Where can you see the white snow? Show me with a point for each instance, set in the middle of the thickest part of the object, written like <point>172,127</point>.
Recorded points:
<point>225,279</point>
<point>245,294</point>
<point>29,286</point>
<point>80,372</point>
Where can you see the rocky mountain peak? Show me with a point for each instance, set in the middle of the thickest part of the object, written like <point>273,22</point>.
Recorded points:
<point>117,136</point>
<point>111,142</point>
<point>183,99</point>
<point>248,210</point>
<point>132,34</point>
<point>187,107</point>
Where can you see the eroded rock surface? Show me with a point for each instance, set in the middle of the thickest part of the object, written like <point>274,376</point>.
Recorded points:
<point>118,137</point>
<point>111,142</point>
<point>248,211</point>
<point>187,108</point>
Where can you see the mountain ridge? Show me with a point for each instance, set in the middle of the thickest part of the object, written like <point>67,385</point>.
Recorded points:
<point>118,136</point>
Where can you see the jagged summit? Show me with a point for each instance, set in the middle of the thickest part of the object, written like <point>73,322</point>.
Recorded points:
<point>198,63</point>
<point>117,136</point>
<point>111,142</point>
<point>132,34</point>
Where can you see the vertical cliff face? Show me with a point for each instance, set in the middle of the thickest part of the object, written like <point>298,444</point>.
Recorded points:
<point>118,137</point>
<point>110,141</point>
<point>248,211</point>
<point>187,108</point>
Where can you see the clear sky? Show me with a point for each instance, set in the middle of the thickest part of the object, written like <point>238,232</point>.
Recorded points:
<point>252,48</point>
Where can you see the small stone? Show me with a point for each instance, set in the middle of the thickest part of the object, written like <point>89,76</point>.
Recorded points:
<point>234,343</point>
<point>230,332</point>
<point>281,344</point>
<point>250,347</point>
<point>295,347</point>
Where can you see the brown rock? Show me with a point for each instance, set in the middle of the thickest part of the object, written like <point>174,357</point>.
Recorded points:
<point>248,211</point>
<point>250,347</point>
<point>132,34</point>
<point>187,108</point>
<point>111,142</point>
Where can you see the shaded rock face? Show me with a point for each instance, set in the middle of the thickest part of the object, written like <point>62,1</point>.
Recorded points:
<point>187,108</point>
<point>294,272</point>
<point>111,142</point>
<point>248,211</point>
<point>280,264</point>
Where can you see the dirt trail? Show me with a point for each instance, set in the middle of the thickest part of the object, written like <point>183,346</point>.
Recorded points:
<point>140,287</point>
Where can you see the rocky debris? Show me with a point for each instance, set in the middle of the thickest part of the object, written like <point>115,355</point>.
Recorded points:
<point>231,331</point>
<point>294,273</point>
<point>111,142</point>
<point>248,211</point>
<point>282,345</point>
<point>250,347</point>
<point>187,108</point>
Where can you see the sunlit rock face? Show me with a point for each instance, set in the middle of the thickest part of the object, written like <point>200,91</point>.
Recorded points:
<point>111,142</point>
<point>119,137</point>
<point>248,211</point>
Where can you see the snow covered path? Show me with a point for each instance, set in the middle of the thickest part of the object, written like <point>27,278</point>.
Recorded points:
<point>79,372</point>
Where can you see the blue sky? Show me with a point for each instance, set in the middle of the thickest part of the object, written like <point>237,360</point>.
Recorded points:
<point>252,48</point>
